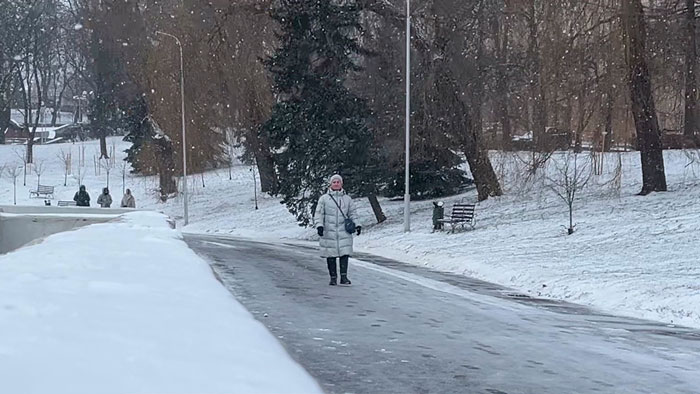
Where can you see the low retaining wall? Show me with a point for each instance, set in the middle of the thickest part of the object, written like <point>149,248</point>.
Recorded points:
<point>20,226</point>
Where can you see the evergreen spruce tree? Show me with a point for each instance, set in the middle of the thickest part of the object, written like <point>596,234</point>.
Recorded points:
<point>318,127</point>
<point>140,134</point>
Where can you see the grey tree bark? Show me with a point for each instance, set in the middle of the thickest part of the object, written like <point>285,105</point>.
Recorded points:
<point>643,107</point>
<point>690,124</point>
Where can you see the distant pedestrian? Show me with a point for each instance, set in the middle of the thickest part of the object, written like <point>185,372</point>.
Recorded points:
<point>105,199</point>
<point>336,221</point>
<point>128,201</point>
<point>82,198</point>
<point>438,215</point>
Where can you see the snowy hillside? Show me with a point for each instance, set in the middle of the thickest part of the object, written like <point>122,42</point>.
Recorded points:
<point>630,255</point>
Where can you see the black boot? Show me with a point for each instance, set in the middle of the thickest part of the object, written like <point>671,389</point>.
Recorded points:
<point>344,271</point>
<point>332,271</point>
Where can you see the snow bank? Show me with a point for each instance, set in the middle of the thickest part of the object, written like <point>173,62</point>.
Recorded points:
<point>127,307</point>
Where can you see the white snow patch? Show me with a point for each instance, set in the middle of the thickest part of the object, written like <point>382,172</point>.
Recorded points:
<point>127,307</point>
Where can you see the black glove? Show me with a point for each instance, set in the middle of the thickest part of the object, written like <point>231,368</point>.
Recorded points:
<point>358,229</point>
<point>320,231</point>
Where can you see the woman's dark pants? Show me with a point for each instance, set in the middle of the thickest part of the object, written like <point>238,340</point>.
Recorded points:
<point>332,267</point>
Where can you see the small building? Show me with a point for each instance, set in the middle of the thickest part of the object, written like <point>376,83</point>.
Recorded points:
<point>66,130</point>
<point>14,133</point>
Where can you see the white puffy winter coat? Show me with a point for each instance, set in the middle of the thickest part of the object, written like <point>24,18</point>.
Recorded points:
<point>335,241</point>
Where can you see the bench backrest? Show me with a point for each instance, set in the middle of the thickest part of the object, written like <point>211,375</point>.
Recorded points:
<point>463,211</point>
<point>45,189</point>
<point>66,203</point>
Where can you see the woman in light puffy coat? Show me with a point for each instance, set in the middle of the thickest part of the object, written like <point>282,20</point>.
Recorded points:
<point>331,211</point>
<point>128,201</point>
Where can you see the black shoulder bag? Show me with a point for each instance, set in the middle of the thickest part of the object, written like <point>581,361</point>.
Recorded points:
<point>349,224</point>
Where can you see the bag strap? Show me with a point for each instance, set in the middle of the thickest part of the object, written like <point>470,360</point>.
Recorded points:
<point>339,208</point>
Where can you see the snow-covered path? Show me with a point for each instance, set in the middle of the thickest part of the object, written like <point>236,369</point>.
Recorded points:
<point>405,329</point>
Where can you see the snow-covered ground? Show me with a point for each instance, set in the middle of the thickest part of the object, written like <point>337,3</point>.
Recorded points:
<point>127,307</point>
<point>630,255</point>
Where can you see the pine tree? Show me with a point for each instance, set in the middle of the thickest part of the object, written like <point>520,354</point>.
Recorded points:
<point>139,135</point>
<point>318,127</point>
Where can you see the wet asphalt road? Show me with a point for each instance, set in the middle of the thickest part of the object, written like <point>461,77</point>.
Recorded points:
<point>406,329</point>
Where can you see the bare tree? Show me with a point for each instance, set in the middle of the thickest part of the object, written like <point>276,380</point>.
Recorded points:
<point>569,178</point>
<point>124,171</point>
<point>230,151</point>
<point>39,169</point>
<point>37,61</point>
<point>67,160</point>
<point>106,165</point>
<point>23,157</point>
<point>13,171</point>
<point>80,176</point>
<point>643,107</point>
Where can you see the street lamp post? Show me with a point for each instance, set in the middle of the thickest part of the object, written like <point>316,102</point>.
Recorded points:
<point>407,195</point>
<point>184,139</point>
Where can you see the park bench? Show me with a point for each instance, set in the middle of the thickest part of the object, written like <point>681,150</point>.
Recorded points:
<point>42,191</point>
<point>462,215</point>
<point>66,203</point>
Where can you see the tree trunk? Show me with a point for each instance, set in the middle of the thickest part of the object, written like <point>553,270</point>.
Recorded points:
<point>77,116</point>
<point>485,178</point>
<point>568,117</point>
<point>5,116</point>
<point>103,145</point>
<point>690,126</point>
<point>581,115</point>
<point>376,208</point>
<point>258,142</point>
<point>477,155</point>
<point>58,102</point>
<point>466,119</point>
<point>165,163</point>
<point>32,134</point>
<point>99,125</point>
<point>266,169</point>
<point>607,137</point>
<point>643,107</point>
<point>30,148</point>
<point>537,94</point>
<point>104,90</point>
<point>26,89</point>
<point>166,184</point>
<point>501,36</point>
<point>264,161</point>
<point>570,230</point>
